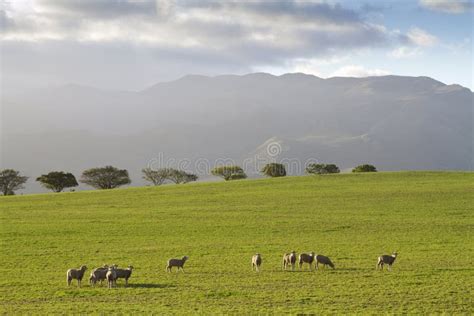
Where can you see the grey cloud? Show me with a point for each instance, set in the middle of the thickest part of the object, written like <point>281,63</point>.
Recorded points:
<point>107,9</point>
<point>202,37</point>
<point>302,10</point>
<point>99,8</point>
<point>5,22</point>
<point>363,37</point>
<point>265,19</point>
<point>112,65</point>
<point>229,30</point>
<point>297,10</point>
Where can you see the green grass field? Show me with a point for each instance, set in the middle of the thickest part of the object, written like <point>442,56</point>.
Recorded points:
<point>353,218</point>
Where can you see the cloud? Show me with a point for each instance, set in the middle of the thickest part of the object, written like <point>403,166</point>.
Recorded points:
<point>358,71</point>
<point>232,27</point>
<point>448,6</point>
<point>421,38</point>
<point>405,52</point>
<point>102,9</point>
<point>161,40</point>
<point>412,43</point>
<point>314,66</point>
<point>201,36</point>
<point>5,21</point>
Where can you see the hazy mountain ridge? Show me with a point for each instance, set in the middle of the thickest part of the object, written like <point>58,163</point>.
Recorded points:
<point>394,122</point>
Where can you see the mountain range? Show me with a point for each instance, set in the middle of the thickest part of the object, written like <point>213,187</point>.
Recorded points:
<point>196,122</point>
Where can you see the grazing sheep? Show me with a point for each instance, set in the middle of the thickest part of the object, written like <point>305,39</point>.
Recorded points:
<point>386,259</point>
<point>111,277</point>
<point>98,274</point>
<point>77,274</point>
<point>289,258</point>
<point>306,258</point>
<point>256,262</point>
<point>124,274</point>
<point>179,263</point>
<point>320,259</point>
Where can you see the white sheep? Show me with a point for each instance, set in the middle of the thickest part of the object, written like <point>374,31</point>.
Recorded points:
<point>111,277</point>
<point>256,262</point>
<point>289,259</point>
<point>320,259</point>
<point>306,258</point>
<point>179,263</point>
<point>124,274</point>
<point>99,274</point>
<point>386,259</point>
<point>77,274</point>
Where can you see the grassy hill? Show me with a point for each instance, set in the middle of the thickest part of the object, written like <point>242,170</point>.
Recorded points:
<point>353,218</point>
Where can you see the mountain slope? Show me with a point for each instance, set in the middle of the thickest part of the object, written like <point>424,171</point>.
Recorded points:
<point>393,122</point>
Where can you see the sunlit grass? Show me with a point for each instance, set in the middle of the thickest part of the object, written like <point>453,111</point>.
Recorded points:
<point>427,217</point>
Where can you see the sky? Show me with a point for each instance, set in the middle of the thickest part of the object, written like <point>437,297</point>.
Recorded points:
<point>130,45</point>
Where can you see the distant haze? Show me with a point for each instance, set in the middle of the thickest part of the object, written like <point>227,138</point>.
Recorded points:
<point>393,122</point>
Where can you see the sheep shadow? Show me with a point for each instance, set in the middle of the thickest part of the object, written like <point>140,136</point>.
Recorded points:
<point>351,269</point>
<point>452,269</point>
<point>322,270</point>
<point>150,285</point>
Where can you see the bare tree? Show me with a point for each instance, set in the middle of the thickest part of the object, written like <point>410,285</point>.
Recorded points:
<point>179,176</point>
<point>157,177</point>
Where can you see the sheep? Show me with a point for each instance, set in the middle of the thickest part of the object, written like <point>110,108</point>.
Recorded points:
<point>124,274</point>
<point>111,277</point>
<point>77,274</point>
<point>289,258</point>
<point>179,263</point>
<point>386,259</point>
<point>306,258</point>
<point>324,261</point>
<point>98,274</point>
<point>256,262</point>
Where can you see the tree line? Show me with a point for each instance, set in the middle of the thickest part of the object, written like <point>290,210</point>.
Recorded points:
<point>110,177</point>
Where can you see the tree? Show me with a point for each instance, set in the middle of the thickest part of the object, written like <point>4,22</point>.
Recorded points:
<point>229,172</point>
<point>190,177</point>
<point>157,177</point>
<point>274,170</point>
<point>364,168</point>
<point>237,176</point>
<point>58,180</point>
<point>10,181</point>
<point>179,176</point>
<point>105,178</point>
<point>320,168</point>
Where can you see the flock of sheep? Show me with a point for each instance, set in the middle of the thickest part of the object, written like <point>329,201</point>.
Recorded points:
<point>112,273</point>
<point>104,273</point>
<point>289,259</point>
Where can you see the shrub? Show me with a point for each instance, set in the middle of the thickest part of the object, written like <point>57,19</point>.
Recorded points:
<point>229,172</point>
<point>364,168</point>
<point>274,170</point>
<point>316,168</point>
